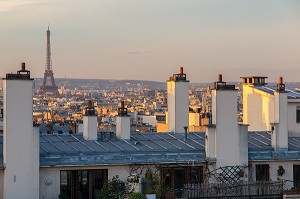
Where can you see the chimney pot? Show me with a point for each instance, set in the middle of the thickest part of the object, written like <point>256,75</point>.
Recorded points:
<point>220,78</point>
<point>181,70</point>
<point>122,104</point>
<point>280,80</point>
<point>23,66</point>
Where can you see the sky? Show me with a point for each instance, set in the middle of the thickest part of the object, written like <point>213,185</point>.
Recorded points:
<point>151,39</point>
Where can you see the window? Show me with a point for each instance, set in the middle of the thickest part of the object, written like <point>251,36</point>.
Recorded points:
<point>298,114</point>
<point>296,174</point>
<point>83,184</point>
<point>262,172</point>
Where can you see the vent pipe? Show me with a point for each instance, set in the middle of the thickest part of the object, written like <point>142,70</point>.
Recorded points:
<point>185,132</point>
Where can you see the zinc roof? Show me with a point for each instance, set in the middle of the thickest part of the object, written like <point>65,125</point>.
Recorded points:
<point>291,93</point>
<point>145,148</point>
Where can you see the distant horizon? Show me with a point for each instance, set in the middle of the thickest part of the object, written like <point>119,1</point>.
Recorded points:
<point>267,82</point>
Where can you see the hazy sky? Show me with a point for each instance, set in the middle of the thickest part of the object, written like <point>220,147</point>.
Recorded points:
<point>151,39</point>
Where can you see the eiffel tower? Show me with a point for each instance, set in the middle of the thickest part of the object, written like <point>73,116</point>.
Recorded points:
<point>48,75</point>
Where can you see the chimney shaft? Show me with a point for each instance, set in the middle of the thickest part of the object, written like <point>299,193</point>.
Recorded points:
<point>181,70</point>
<point>17,107</point>
<point>90,122</point>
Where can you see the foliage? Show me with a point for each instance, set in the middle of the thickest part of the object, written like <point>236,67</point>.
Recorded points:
<point>153,184</point>
<point>149,182</point>
<point>63,195</point>
<point>137,196</point>
<point>112,189</point>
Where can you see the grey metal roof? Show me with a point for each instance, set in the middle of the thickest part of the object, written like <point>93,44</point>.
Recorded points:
<point>261,141</point>
<point>141,148</point>
<point>292,93</point>
<point>145,148</point>
<point>260,148</point>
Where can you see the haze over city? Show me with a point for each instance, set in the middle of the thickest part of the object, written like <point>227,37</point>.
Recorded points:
<point>149,40</point>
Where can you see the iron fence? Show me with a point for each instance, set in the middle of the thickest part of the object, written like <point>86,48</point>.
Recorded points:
<point>256,190</point>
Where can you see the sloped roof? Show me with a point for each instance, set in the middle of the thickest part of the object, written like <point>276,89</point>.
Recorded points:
<point>291,93</point>
<point>145,148</point>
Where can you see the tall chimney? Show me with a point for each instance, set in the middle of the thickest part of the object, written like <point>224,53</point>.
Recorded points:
<point>123,123</point>
<point>20,138</point>
<point>178,102</point>
<point>90,122</point>
<point>279,128</point>
<point>225,136</point>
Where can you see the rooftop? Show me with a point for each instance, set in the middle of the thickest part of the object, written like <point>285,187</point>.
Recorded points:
<point>292,93</point>
<point>145,148</point>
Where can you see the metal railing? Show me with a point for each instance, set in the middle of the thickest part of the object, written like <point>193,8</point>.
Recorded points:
<point>240,190</point>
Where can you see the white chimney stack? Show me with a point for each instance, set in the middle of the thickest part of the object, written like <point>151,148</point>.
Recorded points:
<point>225,136</point>
<point>279,127</point>
<point>178,102</point>
<point>123,123</point>
<point>20,138</point>
<point>90,122</point>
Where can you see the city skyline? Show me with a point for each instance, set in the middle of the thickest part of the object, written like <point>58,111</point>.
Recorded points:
<point>149,40</point>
